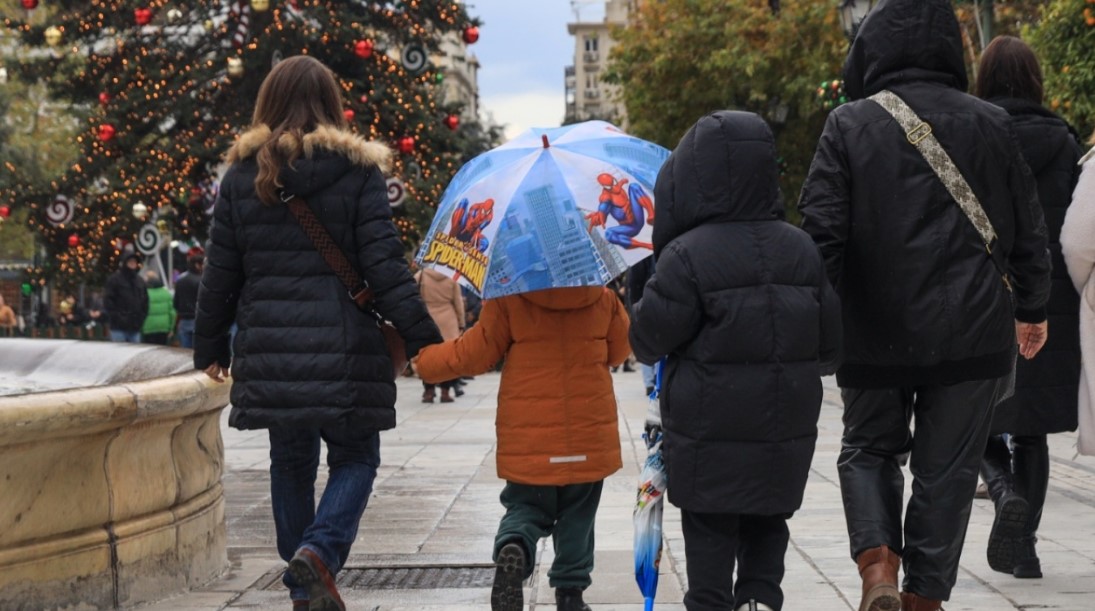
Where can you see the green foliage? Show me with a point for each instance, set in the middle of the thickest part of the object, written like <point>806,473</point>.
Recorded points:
<point>682,59</point>
<point>168,93</point>
<point>1064,40</point>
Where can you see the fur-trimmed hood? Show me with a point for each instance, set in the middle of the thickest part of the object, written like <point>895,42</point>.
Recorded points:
<point>356,149</point>
<point>328,155</point>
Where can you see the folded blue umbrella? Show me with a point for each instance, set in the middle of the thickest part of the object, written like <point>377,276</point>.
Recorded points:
<point>649,506</point>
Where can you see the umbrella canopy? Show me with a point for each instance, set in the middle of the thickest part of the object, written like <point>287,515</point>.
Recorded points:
<point>566,206</point>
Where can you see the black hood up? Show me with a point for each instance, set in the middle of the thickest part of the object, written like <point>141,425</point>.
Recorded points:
<point>724,169</point>
<point>906,40</point>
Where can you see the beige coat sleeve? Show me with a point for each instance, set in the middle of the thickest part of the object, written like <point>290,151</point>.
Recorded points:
<point>1076,235</point>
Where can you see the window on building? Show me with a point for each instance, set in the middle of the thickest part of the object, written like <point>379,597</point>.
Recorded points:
<point>591,43</point>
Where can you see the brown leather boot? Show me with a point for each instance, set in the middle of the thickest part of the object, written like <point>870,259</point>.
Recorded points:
<point>914,602</point>
<point>878,568</point>
<point>445,396</point>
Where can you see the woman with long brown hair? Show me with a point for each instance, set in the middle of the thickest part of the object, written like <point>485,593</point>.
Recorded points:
<point>1046,386</point>
<point>307,364</point>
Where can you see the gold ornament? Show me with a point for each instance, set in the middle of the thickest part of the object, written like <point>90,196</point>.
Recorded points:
<point>260,5</point>
<point>163,227</point>
<point>208,25</point>
<point>53,36</point>
<point>235,67</point>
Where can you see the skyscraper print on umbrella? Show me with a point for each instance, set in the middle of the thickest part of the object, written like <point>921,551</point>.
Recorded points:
<point>569,206</point>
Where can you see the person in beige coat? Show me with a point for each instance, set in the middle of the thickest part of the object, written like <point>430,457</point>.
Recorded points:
<point>446,305</point>
<point>1079,252</point>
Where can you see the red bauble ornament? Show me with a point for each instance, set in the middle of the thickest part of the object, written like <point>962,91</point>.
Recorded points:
<point>364,99</point>
<point>452,122</point>
<point>406,144</point>
<point>363,49</point>
<point>104,98</point>
<point>142,15</point>
<point>471,34</point>
<point>5,211</point>
<point>30,5</point>
<point>74,240</point>
<point>349,114</point>
<point>106,132</point>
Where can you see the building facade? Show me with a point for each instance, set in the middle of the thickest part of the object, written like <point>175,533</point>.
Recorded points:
<point>461,70</point>
<point>587,96</point>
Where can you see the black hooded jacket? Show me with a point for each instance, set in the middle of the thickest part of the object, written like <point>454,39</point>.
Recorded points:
<point>125,298</point>
<point>185,299</point>
<point>923,302</point>
<point>1046,387</point>
<point>304,354</point>
<point>740,304</point>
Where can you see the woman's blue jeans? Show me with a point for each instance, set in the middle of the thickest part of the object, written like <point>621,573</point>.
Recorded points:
<point>329,530</point>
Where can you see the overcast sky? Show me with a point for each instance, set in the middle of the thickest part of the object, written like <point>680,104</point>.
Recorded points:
<point>523,47</point>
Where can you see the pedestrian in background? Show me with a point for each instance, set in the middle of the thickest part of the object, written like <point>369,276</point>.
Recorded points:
<point>556,426</point>
<point>125,299</point>
<point>930,331</point>
<point>445,302</point>
<point>1079,253</point>
<point>186,295</point>
<point>309,365</point>
<point>1045,387</point>
<point>7,318</point>
<point>160,321</point>
<point>740,305</point>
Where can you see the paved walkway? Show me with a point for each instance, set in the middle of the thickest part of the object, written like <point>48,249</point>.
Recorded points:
<point>432,518</point>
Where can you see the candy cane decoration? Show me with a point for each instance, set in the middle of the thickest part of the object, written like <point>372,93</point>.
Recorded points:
<point>60,211</point>
<point>242,10</point>
<point>396,192</point>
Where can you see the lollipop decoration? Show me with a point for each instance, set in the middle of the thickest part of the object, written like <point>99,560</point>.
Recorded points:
<point>414,58</point>
<point>60,211</point>
<point>397,192</point>
<point>149,239</point>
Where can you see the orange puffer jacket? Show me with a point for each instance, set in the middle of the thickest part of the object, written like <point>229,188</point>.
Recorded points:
<point>556,421</point>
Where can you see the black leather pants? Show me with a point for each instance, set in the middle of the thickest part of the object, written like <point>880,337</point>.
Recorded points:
<point>951,428</point>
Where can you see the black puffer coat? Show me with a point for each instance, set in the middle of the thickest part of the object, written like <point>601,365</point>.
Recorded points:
<point>125,298</point>
<point>304,354</point>
<point>740,303</point>
<point>1046,387</point>
<point>923,302</point>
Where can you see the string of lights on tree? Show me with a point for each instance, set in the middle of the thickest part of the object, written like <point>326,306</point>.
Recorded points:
<point>172,83</point>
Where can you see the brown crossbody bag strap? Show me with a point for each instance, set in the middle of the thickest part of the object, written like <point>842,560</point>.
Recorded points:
<point>357,288</point>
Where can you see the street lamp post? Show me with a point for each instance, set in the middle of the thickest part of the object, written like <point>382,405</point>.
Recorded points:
<point>852,14</point>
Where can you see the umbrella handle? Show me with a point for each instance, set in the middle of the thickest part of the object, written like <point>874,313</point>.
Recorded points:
<point>648,604</point>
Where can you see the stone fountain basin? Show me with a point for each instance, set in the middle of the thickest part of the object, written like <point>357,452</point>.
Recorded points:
<point>110,489</point>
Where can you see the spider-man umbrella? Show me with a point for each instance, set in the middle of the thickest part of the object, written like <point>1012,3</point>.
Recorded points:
<point>650,504</point>
<point>566,206</point>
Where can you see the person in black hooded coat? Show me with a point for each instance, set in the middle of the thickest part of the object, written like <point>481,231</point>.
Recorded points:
<point>308,364</point>
<point>1046,388</point>
<point>929,328</point>
<point>740,303</point>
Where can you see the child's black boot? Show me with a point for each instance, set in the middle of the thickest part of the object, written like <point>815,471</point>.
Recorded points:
<point>570,599</point>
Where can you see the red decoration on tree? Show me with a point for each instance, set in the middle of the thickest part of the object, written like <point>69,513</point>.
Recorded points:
<point>104,98</point>
<point>142,15</point>
<point>406,144</point>
<point>452,122</point>
<point>349,114</point>
<point>471,34</point>
<point>5,211</point>
<point>364,99</point>
<point>363,49</point>
<point>30,5</point>
<point>74,240</point>
<point>106,132</point>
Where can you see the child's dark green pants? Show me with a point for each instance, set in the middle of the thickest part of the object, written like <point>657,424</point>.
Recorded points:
<point>567,513</point>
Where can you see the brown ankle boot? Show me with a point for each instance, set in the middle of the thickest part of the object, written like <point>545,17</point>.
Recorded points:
<point>878,568</point>
<point>914,602</point>
<point>445,396</point>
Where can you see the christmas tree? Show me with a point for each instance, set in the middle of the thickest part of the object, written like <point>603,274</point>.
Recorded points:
<point>169,84</point>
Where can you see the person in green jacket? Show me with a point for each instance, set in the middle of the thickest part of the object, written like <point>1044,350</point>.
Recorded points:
<point>160,321</point>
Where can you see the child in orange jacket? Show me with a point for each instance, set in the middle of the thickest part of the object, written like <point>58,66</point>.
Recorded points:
<point>556,425</point>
